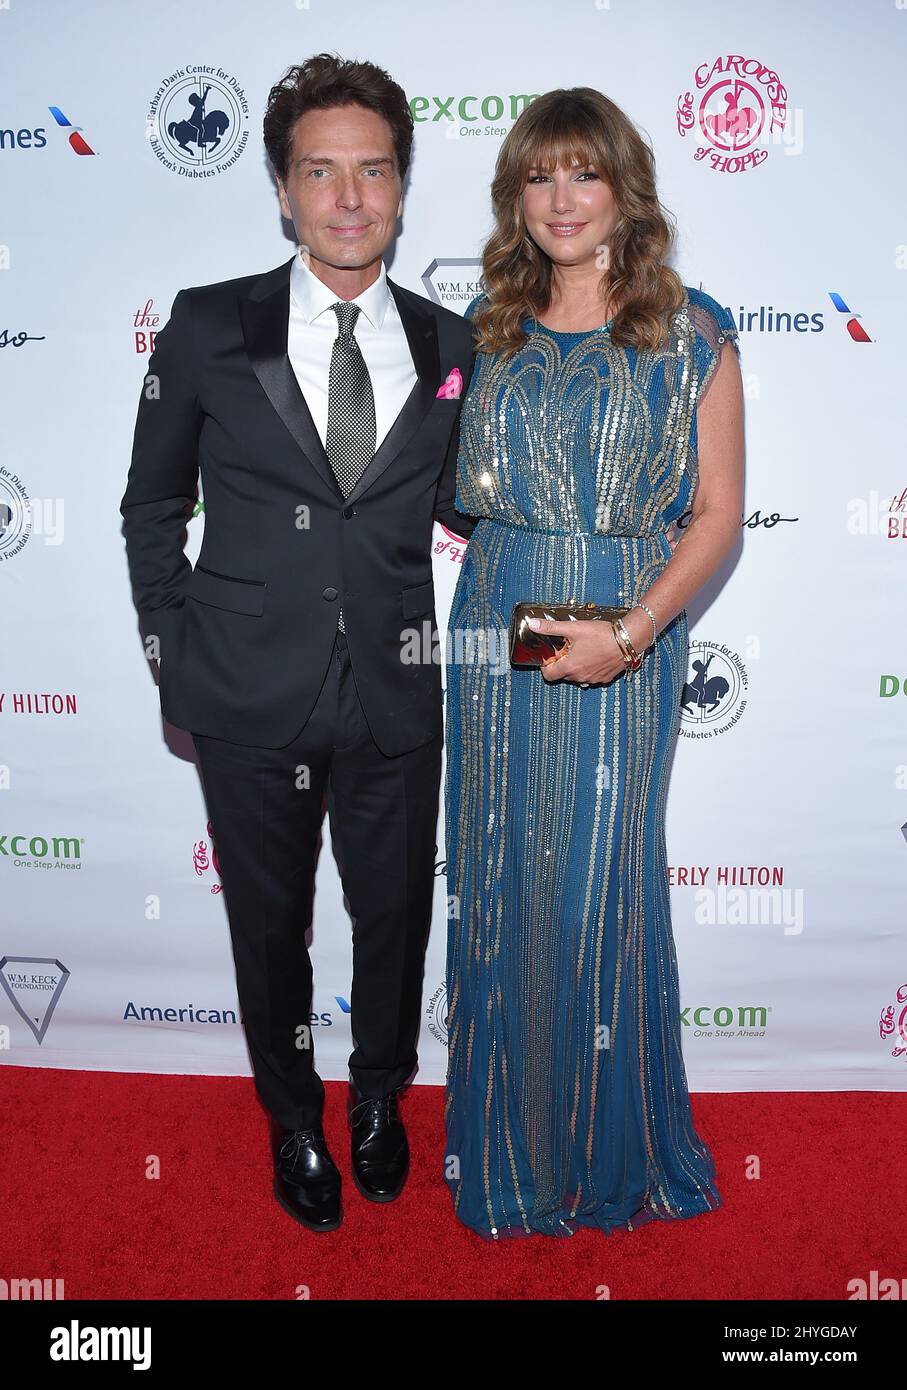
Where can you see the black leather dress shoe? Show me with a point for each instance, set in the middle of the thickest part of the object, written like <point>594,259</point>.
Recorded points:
<point>306,1178</point>
<point>380,1151</point>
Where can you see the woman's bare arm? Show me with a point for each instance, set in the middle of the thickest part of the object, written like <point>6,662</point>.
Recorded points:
<point>717,504</point>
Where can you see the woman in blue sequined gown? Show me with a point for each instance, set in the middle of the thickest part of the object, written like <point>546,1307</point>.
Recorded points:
<point>567,1101</point>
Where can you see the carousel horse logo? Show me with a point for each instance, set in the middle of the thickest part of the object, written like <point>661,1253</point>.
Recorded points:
<point>205,861</point>
<point>203,129</point>
<point>198,122</point>
<point>893,1024</point>
<point>714,696</point>
<point>739,108</point>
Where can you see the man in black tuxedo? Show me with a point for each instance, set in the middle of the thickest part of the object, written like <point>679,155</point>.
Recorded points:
<point>320,403</point>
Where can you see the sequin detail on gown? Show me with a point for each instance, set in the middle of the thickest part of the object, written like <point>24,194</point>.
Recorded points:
<point>566,1100</point>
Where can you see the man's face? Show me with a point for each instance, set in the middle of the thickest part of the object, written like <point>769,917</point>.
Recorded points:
<point>343,191</point>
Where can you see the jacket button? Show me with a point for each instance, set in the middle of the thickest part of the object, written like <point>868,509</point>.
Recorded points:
<point>329,593</point>
<point>348,512</point>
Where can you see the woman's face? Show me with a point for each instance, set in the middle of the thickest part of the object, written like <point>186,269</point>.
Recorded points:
<point>570,213</point>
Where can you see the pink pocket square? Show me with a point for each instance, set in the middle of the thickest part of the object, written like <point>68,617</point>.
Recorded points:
<point>452,389</point>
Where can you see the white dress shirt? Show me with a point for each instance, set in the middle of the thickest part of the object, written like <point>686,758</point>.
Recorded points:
<point>379,333</point>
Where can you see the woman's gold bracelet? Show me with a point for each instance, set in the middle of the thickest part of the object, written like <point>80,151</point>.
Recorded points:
<point>646,609</point>
<point>632,658</point>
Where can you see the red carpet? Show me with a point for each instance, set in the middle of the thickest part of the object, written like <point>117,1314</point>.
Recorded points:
<point>830,1205</point>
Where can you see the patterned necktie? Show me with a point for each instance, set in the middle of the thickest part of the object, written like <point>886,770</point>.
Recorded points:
<point>351,433</point>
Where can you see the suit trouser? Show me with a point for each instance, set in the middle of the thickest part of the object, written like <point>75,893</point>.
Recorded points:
<point>266,810</point>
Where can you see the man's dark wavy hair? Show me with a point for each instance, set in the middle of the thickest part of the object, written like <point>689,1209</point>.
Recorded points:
<point>328,80</point>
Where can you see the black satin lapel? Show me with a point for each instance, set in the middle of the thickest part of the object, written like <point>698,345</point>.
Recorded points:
<point>422,336</point>
<point>265,322</point>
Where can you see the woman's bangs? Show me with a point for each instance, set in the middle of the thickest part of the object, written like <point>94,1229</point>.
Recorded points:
<point>559,144</point>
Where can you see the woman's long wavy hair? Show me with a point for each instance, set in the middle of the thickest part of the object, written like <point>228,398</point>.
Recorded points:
<point>578,125</point>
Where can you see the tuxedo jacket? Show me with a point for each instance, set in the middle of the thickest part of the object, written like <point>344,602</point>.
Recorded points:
<point>245,637</point>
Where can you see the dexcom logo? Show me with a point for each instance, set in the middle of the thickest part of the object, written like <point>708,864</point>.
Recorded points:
<point>41,852</point>
<point>491,107</point>
<point>744,1016</point>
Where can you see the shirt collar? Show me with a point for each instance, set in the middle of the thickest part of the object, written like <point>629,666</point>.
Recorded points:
<point>313,297</point>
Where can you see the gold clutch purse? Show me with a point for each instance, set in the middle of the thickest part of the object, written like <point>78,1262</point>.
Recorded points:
<point>528,648</point>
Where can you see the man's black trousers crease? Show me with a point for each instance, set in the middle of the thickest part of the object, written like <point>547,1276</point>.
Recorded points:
<point>265,808</point>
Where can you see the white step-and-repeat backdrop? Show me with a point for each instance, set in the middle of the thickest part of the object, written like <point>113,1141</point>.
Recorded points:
<point>778,134</point>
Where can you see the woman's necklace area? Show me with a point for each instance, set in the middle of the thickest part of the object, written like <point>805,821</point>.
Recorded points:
<point>593,328</point>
